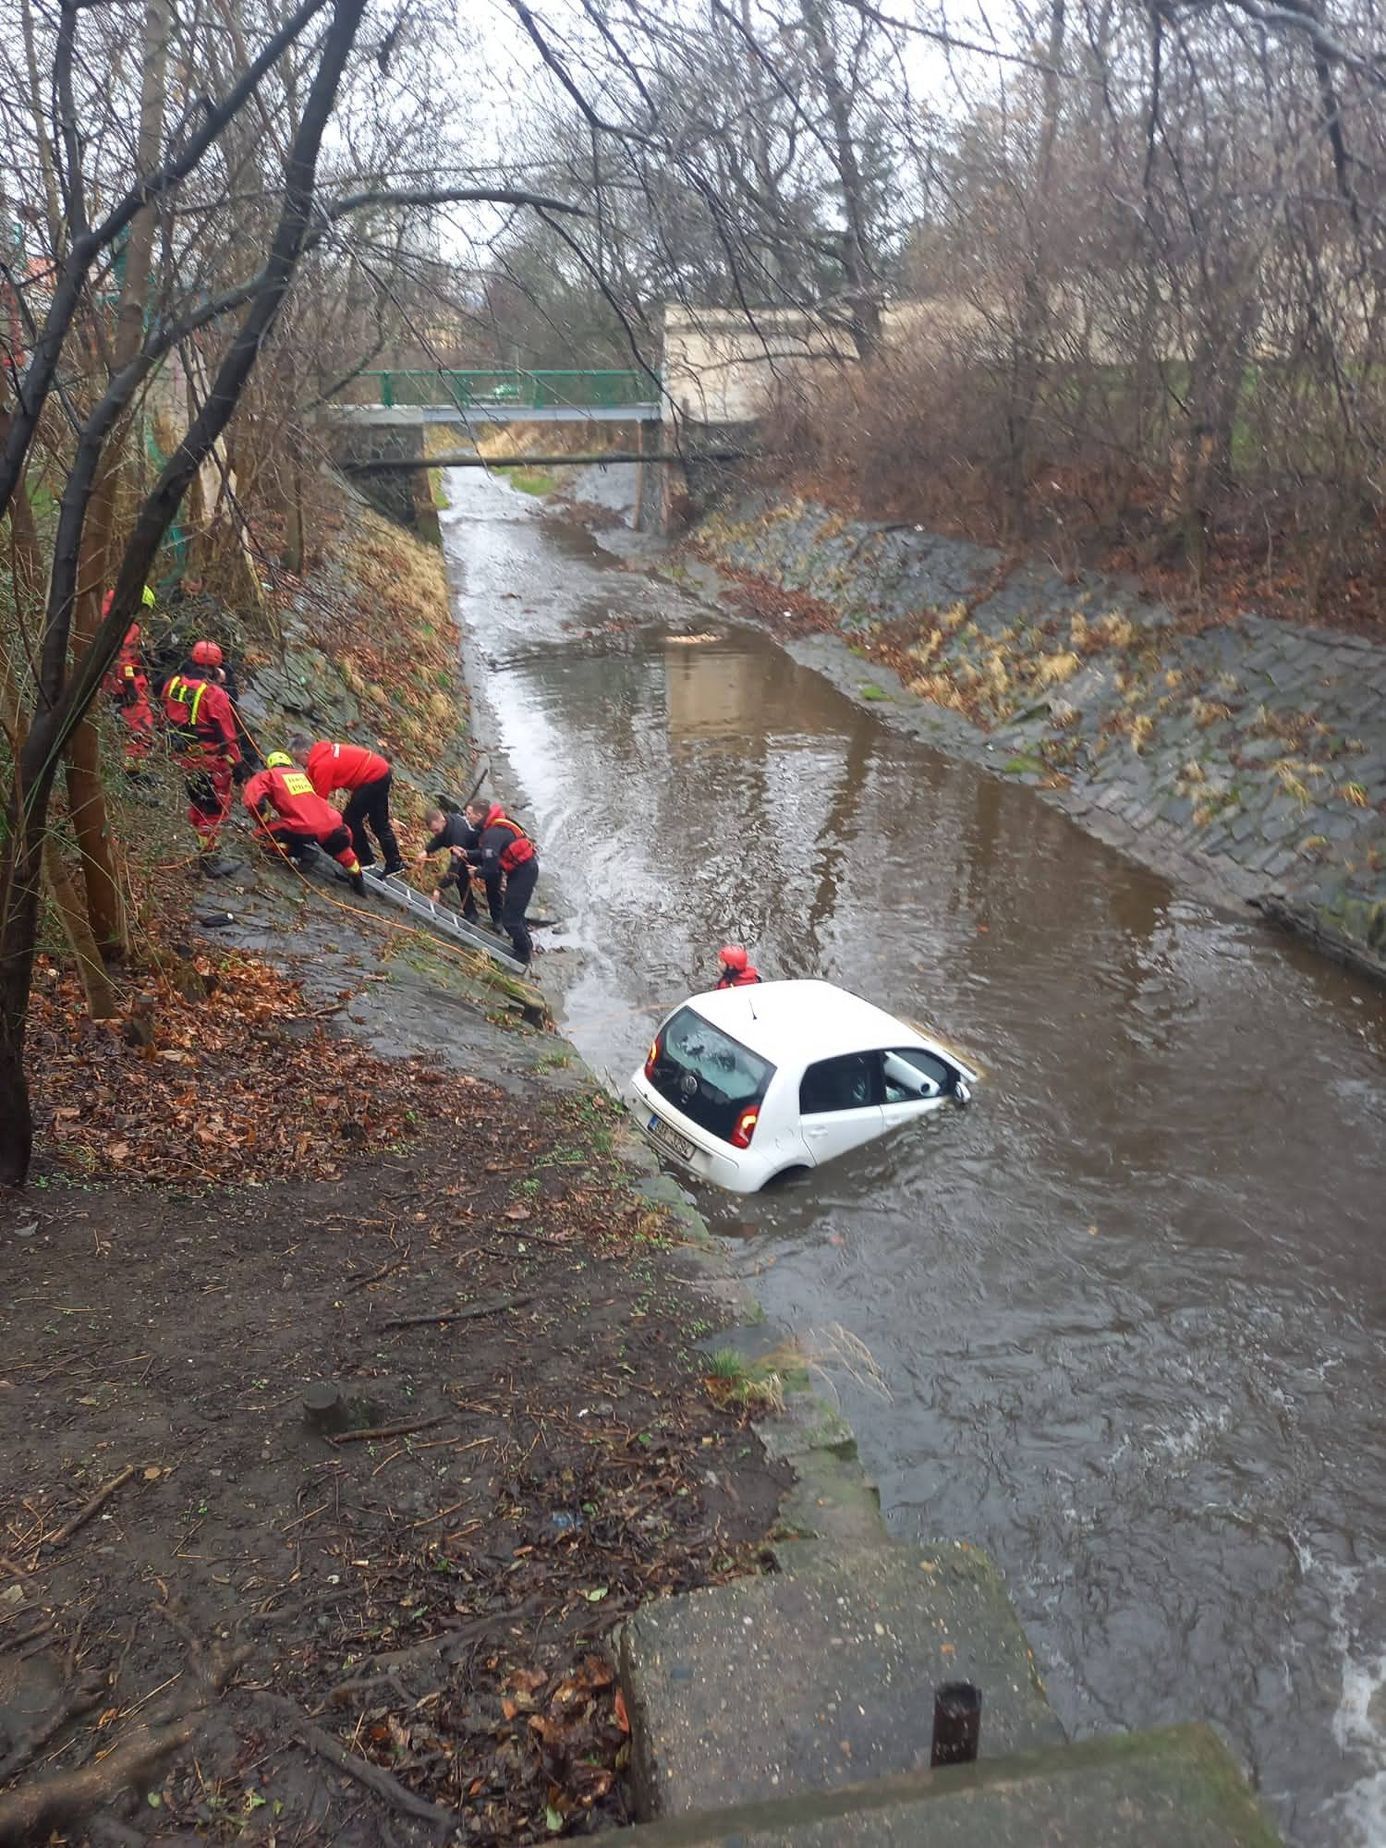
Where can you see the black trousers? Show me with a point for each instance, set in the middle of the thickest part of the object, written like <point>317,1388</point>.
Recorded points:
<point>466,894</point>
<point>519,889</point>
<point>371,803</point>
<point>294,840</point>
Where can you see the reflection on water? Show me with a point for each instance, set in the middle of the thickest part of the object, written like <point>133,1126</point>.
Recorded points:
<point>1129,1307</point>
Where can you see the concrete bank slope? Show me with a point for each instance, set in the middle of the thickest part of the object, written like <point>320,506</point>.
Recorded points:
<point>1249,756</point>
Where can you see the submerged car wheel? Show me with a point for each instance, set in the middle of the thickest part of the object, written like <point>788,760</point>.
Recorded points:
<point>784,1176</point>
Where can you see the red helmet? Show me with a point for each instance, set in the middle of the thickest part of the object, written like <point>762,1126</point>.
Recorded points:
<point>132,636</point>
<point>206,654</point>
<point>733,956</point>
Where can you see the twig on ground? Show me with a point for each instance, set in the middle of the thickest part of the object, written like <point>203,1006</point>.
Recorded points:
<point>311,1514</point>
<point>364,1283</point>
<point>390,1430</point>
<point>374,1777</point>
<point>497,1305</point>
<point>442,1515</point>
<point>19,1645</point>
<point>64,1533</point>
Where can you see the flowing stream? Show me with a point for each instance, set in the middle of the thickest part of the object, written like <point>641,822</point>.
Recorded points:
<point>1128,1309</point>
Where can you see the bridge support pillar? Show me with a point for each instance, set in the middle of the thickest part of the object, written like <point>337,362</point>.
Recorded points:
<point>650,496</point>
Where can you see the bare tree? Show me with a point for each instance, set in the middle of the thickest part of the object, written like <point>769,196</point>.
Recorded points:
<point>74,403</point>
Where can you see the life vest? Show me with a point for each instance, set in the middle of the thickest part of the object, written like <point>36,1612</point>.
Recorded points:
<point>521,847</point>
<point>739,978</point>
<point>183,699</point>
<point>201,714</point>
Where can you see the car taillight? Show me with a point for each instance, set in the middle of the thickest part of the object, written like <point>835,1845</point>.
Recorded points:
<point>652,1057</point>
<point>745,1128</point>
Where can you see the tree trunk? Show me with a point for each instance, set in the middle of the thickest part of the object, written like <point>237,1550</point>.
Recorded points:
<point>20,864</point>
<point>1202,457</point>
<point>68,698</point>
<point>86,801</point>
<point>96,983</point>
<point>86,796</point>
<point>1034,296</point>
<point>292,557</point>
<point>26,554</point>
<point>858,257</point>
<point>38,115</point>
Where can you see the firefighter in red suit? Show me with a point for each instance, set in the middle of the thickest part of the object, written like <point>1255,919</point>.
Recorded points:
<point>206,749</point>
<point>366,776</point>
<point>290,811</point>
<point>128,685</point>
<point>735,968</point>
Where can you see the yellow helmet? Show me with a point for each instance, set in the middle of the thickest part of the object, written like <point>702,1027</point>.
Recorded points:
<point>279,760</point>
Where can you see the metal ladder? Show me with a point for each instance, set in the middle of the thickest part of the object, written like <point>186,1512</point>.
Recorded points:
<point>433,917</point>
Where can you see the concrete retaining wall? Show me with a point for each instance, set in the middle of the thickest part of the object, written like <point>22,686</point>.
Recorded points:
<point>1257,749</point>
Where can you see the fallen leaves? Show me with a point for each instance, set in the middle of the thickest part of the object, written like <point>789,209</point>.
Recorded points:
<point>230,1095</point>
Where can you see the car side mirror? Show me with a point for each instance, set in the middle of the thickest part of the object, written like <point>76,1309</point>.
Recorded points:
<point>962,1096</point>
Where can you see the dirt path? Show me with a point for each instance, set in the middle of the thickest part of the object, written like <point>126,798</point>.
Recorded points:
<point>421,1612</point>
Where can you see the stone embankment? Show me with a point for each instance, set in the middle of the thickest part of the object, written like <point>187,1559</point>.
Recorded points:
<point>1249,754</point>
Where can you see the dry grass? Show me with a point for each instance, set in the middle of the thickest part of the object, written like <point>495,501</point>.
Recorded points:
<point>941,690</point>
<point>1207,712</point>
<point>1290,780</point>
<point>1052,670</point>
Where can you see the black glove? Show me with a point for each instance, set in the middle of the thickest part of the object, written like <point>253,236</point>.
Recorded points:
<point>240,773</point>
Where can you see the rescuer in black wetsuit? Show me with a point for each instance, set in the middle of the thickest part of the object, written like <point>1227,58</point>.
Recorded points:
<point>508,862</point>
<point>453,830</point>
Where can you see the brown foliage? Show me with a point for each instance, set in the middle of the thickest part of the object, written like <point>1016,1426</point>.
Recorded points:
<point>221,1088</point>
<point>920,436</point>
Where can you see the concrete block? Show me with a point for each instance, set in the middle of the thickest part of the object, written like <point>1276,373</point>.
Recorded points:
<point>821,1675</point>
<point>1174,1788</point>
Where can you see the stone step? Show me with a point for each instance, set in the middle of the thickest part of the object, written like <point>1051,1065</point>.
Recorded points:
<point>1175,1788</point>
<point>822,1674</point>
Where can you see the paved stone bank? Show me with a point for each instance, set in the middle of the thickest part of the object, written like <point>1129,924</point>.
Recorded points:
<point>1255,750</point>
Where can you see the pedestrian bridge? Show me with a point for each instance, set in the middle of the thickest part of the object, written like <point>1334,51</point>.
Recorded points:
<point>404,399</point>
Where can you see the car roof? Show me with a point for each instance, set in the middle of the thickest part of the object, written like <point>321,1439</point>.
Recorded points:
<point>788,1021</point>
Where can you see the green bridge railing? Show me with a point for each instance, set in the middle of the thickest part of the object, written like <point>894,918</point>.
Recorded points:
<point>577,390</point>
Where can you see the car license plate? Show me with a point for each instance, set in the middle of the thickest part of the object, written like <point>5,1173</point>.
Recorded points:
<point>669,1138</point>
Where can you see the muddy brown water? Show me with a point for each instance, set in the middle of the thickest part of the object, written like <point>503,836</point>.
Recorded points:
<point>1129,1307</point>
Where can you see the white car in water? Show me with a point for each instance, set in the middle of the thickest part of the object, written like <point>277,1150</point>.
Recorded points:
<point>744,1086</point>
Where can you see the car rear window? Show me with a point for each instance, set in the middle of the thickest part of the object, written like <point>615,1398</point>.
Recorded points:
<point>706,1074</point>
